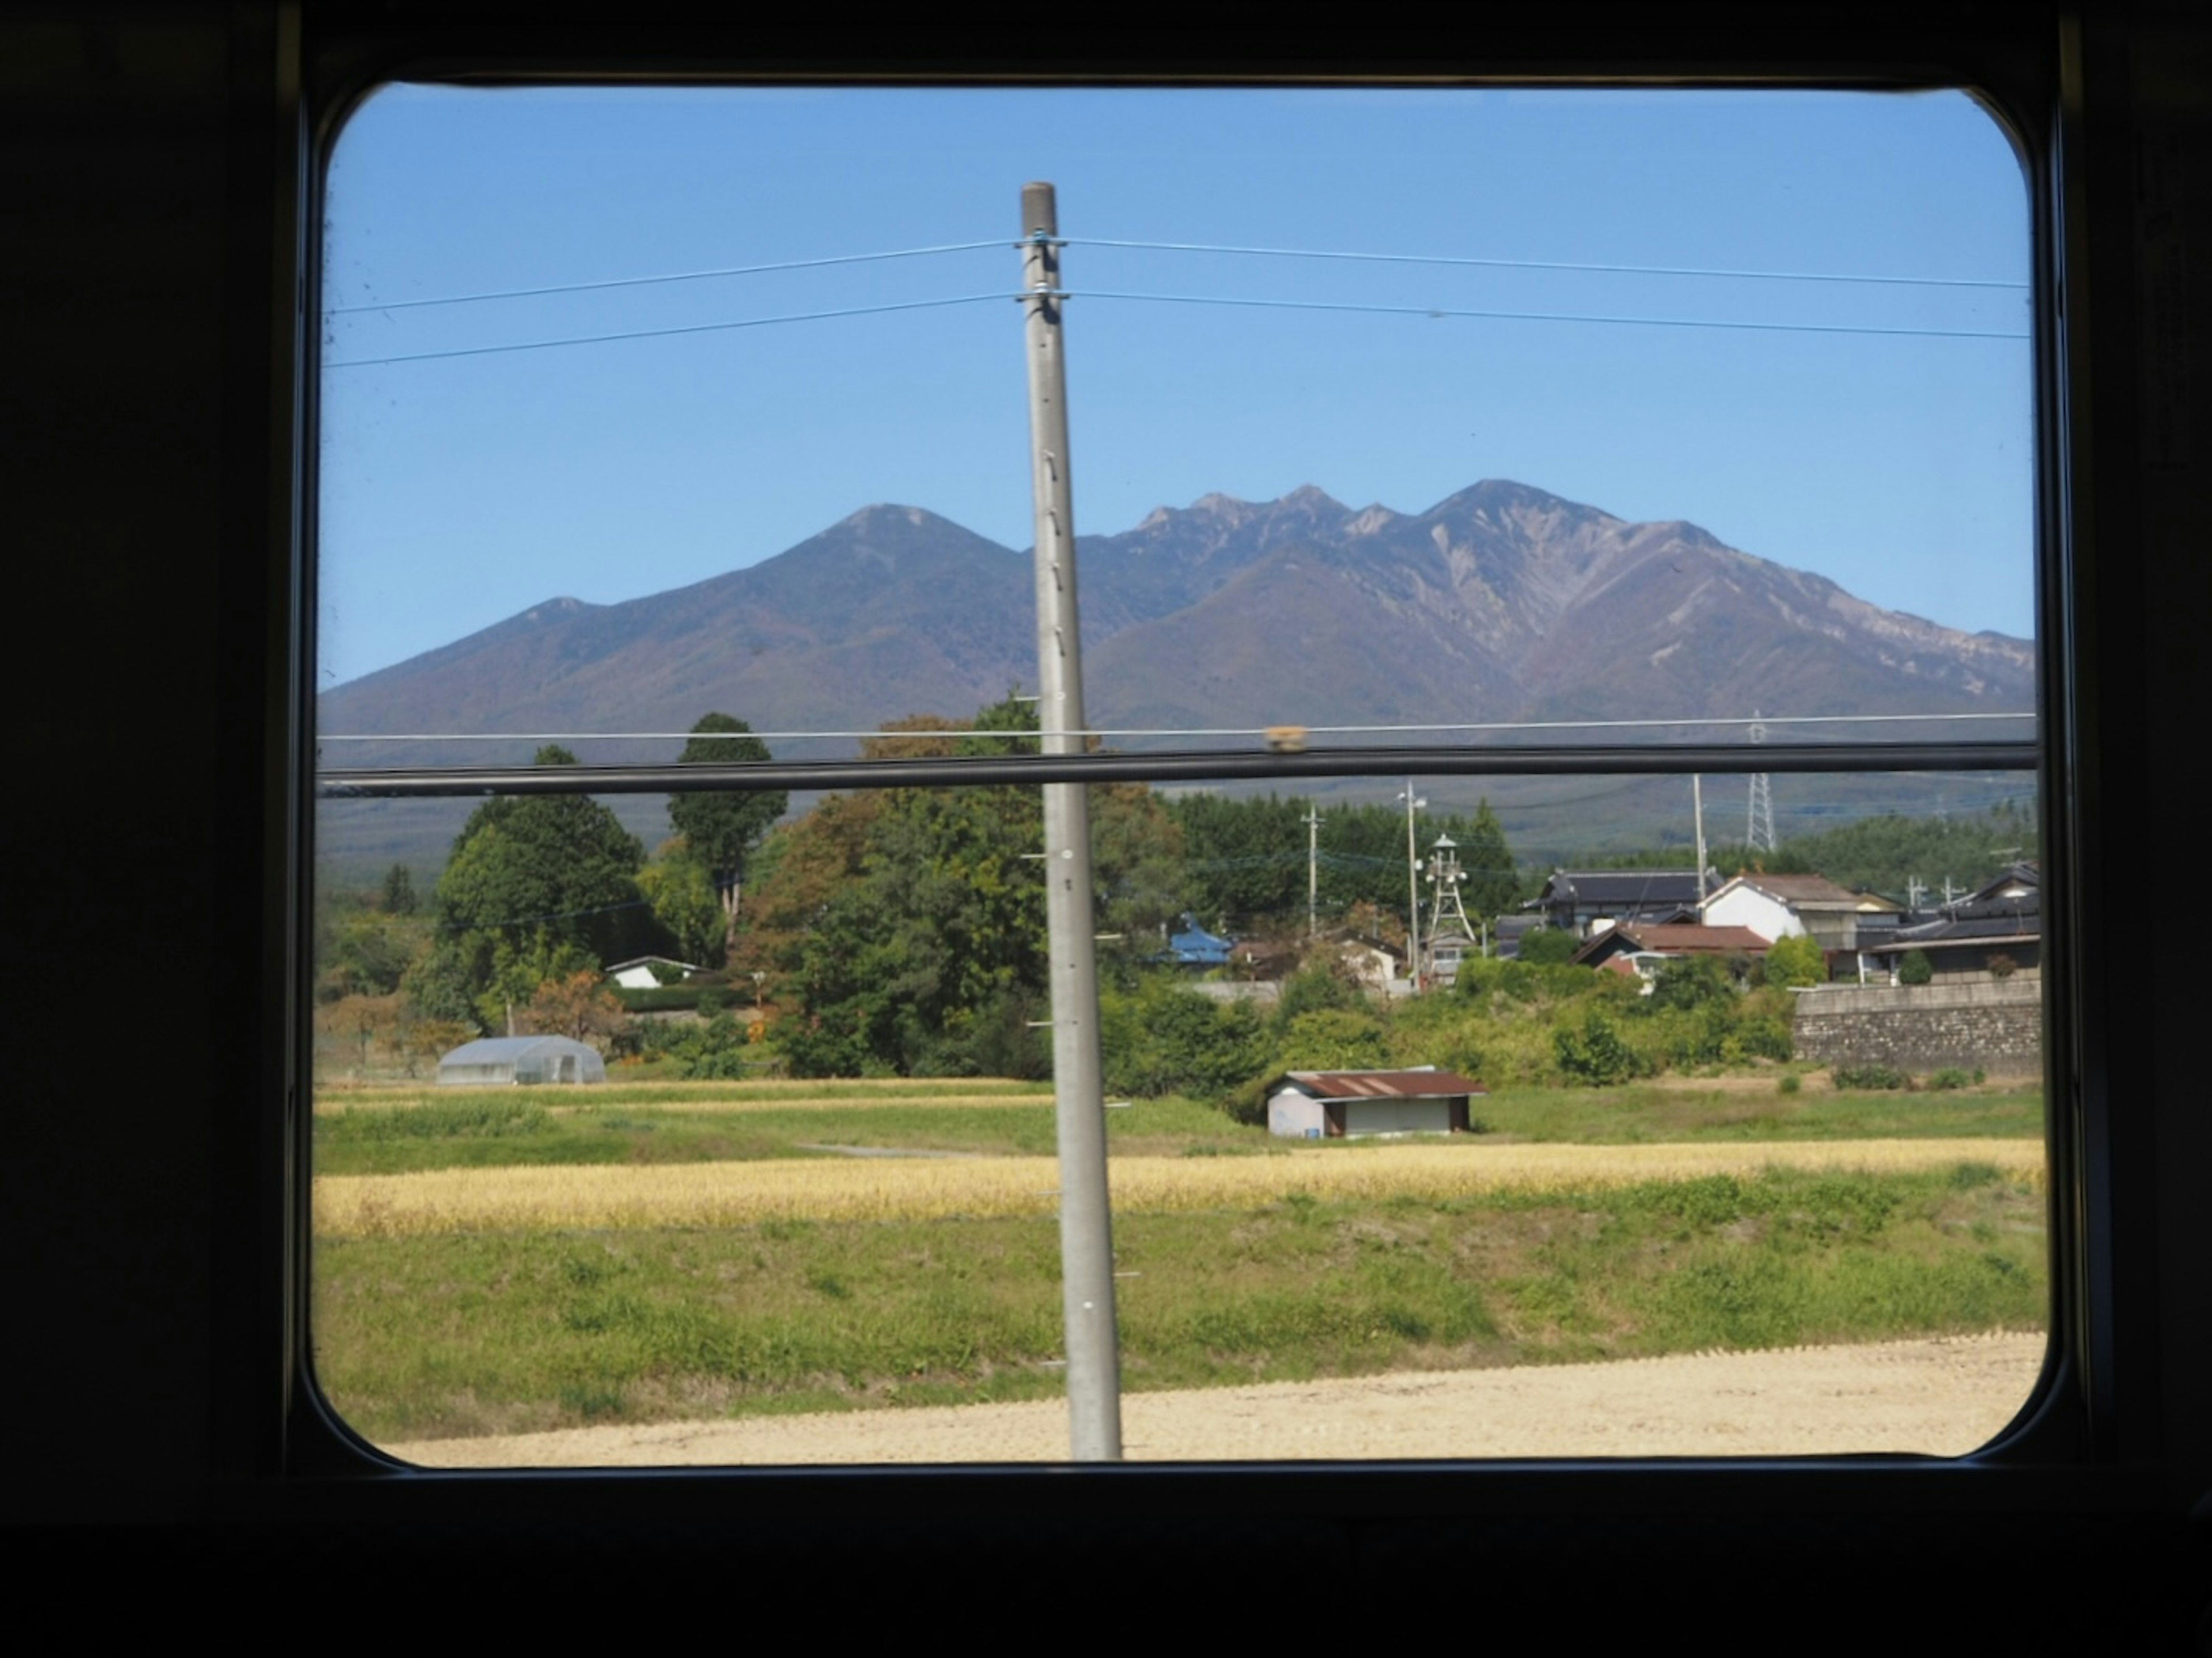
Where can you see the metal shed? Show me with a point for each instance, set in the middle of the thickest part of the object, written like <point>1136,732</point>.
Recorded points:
<point>494,1060</point>
<point>1314,1105</point>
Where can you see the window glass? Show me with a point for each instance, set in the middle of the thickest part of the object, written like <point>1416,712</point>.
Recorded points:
<point>1427,431</point>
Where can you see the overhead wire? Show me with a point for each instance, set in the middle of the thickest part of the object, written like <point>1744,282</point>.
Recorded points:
<point>664,333</point>
<point>1423,260</point>
<point>1446,261</point>
<point>1738,324</point>
<point>1552,264</point>
<point>669,276</point>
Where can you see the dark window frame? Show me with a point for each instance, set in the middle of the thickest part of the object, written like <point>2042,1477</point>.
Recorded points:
<point>2076,1417</point>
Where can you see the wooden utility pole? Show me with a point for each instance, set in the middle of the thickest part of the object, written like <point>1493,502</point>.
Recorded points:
<point>1086,1234</point>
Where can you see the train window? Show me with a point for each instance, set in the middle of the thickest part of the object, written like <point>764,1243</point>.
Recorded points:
<point>1479,898</point>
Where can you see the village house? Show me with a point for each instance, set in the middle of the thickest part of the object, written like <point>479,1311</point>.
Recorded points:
<point>1993,931</point>
<point>1672,940</point>
<point>1586,902</point>
<point>1796,906</point>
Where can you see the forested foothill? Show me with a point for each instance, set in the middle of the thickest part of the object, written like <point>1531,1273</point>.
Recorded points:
<point>900,932</point>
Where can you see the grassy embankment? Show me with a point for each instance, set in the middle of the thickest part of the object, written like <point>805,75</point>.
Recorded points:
<point>1332,1262</point>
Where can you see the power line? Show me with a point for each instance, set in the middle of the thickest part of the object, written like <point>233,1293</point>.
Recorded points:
<point>664,333</point>
<point>670,277</point>
<point>1555,316</point>
<point>1556,264</point>
<point>1732,326</point>
<point>714,273</point>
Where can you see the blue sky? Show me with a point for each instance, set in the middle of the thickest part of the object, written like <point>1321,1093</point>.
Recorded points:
<point>456,491</point>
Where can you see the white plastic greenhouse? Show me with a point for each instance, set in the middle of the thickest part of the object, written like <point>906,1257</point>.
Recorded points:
<point>494,1060</point>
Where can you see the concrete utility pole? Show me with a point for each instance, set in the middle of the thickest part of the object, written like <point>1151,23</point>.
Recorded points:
<point>1698,812</point>
<point>1412,892</point>
<point>1313,872</point>
<point>1087,1233</point>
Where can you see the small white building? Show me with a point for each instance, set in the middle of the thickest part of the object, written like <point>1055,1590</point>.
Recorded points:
<point>1316,1105</point>
<point>639,973</point>
<point>491,1062</point>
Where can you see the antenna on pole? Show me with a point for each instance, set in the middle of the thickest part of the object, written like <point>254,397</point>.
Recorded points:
<point>1087,1239</point>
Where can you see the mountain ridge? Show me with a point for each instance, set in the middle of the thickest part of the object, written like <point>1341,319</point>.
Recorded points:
<point>1500,602</point>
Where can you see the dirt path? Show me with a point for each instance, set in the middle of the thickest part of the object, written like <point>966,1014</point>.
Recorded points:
<point>1942,1397</point>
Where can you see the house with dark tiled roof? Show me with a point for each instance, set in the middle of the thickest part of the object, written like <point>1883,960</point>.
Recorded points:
<point>1670,939</point>
<point>1585,901</point>
<point>1973,936</point>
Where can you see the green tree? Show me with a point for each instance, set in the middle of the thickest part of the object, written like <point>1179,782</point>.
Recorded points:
<point>904,932</point>
<point>398,897</point>
<point>681,891</point>
<point>537,887</point>
<point>1914,969</point>
<point>1796,961</point>
<point>1494,884</point>
<point>722,829</point>
<point>924,953</point>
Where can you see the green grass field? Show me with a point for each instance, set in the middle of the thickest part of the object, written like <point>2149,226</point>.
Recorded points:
<point>476,1333</point>
<point>470,1332</point>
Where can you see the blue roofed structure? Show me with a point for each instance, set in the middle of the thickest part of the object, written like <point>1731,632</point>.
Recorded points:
<point>1193,946</point>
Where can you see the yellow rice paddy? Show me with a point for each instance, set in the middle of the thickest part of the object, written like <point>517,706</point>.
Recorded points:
<point>623,1195</point>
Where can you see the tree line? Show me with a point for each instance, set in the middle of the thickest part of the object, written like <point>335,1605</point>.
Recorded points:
<point>901,931</point>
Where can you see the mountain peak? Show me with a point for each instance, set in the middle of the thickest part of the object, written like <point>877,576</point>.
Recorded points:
<point>1314,499</point>
<point>885,513</point>
<point>1499,496</point>
<point>555,610</point>
<point>1219,504</point>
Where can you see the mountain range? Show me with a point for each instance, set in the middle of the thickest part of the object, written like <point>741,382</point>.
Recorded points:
<point>1501,603</point>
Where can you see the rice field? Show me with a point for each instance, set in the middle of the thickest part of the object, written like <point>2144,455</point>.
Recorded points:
<point>605,1197</point>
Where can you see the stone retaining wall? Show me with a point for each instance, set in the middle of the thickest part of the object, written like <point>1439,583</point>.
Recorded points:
<point>1996,1026</point>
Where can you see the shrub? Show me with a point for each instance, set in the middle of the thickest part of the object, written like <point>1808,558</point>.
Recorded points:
<point>1334,1039</point>
<point>1163,1039</point>
<point>1547,946</point>
<point>2002,966</point>
<point>1318,986</point>
<point>1595,1055</point>
<point>1914,969</point>
<point>1691,982</point>
<point>1789,1084</point>
<point>1951,1076</point>
<point>1867,1076</point>
<point>1798,961</point>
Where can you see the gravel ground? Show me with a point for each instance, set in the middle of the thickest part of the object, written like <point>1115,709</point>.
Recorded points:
<point>1940,1397</point>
